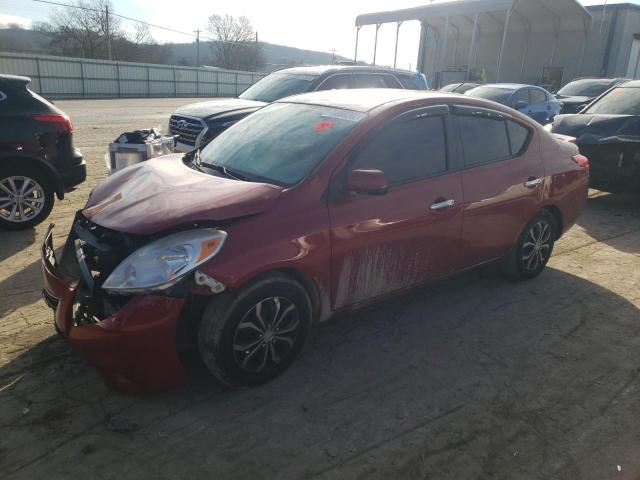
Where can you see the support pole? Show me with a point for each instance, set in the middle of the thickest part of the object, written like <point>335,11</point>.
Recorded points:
<point>375,43</point>
<point>473,42</point>
<point>524,56</point>
<point>443,52</point>
<point>555,48</point>
<point>198,47</point>
<point>455,50</point>
<point>355,55</point>
<point>584,47</point>
<point>106,11</point>
<point>422,48</point>
<point>395,53</point>
<point>504,39</point>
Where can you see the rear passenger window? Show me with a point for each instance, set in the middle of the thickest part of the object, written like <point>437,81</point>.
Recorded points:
<point>392,82</point>
<point>518,136</point>
<point>407,150</point>
<point>537,96</point>
<point>484,140</point>
<point>336,82</point>
<point>368,80</point>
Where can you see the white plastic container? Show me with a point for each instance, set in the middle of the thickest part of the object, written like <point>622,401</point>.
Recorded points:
<point>123,155</point>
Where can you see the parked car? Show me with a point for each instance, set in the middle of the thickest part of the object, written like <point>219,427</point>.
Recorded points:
<point>198,123</point>
<point>316,204</point>
<point>608,132</point>
<point>576,95</point>
<point>462,87</point>
<point>533,101</point>
<point>37,156</point>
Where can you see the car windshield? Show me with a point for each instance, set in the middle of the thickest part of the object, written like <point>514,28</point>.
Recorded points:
<point>585,88</point>
<point>278,85</point>
<point>281,143</point>
<point>497,94</point>
<point>619,101</point>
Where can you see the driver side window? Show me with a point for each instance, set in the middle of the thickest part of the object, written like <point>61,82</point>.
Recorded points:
<point>407,149</point>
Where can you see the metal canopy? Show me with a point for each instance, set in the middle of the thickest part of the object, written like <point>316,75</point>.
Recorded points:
<point>468,17</point>
<point>536,13</point>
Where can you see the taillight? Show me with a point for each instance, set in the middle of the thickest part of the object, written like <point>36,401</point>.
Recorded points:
<point>582,161</point>
<point>63,122</point>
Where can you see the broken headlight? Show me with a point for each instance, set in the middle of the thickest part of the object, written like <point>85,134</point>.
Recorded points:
<point>161,264</point>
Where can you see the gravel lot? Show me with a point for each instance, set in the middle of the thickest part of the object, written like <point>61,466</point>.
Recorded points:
<point>476,378</point>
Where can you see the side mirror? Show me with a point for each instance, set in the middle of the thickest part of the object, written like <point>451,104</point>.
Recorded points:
<point>370,182</point>
<point>521,105</point>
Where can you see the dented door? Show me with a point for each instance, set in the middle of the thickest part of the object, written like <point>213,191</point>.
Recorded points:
<point>386,243</point>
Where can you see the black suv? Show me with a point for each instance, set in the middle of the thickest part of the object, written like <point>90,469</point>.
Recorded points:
<point>37,157</point>
<point>198,123</point>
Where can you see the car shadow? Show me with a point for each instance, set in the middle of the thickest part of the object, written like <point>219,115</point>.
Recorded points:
<point>610,218</point>
<point>430,384</point>
<point>13,242</point>
<point>23,287</point>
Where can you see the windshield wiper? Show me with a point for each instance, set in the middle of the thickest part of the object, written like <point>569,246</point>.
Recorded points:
<point>226,171</point>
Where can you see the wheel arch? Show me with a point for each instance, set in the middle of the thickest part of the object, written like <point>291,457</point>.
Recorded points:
<point>557,215</point>
<point>34,161</point>
<point>309,285</point>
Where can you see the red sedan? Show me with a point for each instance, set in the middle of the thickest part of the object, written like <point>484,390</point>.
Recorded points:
<point>316,204</point>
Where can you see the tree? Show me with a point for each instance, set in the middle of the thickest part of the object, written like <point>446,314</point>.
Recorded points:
<point>81,29</point>
<point>235,46</point>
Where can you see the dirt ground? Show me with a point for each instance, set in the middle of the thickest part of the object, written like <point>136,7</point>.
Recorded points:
<point>476,378</point>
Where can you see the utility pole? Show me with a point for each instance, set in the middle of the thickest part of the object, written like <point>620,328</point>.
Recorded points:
<point>198,48</point>
<point>333,56</point>
<point>106,11</point>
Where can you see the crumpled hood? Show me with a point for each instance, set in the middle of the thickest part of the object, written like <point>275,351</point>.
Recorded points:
<point>217,106</point>
<point>163,192</point>
<point>590,128</point>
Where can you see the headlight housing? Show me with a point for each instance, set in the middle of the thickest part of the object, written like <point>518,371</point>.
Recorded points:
<point>163,263</point>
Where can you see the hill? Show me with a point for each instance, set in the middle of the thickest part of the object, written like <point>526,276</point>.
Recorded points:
<point>275,56</point>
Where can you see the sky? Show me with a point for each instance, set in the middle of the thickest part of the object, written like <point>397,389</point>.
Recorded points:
<point>315,25</point>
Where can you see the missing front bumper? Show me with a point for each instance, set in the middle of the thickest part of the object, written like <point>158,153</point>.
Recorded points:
<point>134,348</point>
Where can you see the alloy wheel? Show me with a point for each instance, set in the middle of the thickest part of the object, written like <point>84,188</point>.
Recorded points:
<point>537,246</point>
<point>266,334</point>
<point>21,199</point>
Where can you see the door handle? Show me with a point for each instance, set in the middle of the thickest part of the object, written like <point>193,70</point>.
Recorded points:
<point>442,205</point>
<point>533,182</point>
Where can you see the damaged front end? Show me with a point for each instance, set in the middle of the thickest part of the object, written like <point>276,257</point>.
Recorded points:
<point>612,144</point>
<point>121,313</point>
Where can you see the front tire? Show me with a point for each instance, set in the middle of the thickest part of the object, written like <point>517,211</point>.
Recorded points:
<point>26,197</point>
<point>532,252</point>
<point>251,337</point>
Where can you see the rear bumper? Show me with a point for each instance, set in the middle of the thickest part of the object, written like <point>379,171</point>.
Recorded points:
<point>133,349</point>
<point>75,173</point>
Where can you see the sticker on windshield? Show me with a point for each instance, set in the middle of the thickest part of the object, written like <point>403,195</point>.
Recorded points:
<point>341,114</point>
<point>324,126</point>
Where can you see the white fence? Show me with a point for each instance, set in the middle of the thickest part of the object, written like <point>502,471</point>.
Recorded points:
<point>64,77</point>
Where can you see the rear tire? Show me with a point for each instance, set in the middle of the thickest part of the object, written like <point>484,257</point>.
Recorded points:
<point>251,337</point>
<point>26,197</point>
<point>532,251</point>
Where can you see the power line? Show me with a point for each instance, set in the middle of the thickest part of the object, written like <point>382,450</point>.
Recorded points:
<point>80,7</point>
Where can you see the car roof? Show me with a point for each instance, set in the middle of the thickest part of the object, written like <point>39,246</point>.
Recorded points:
<point>14,79</point>
<point>600,79</point>
<point>322,69</point>
<point>510,86</point>
<point>631,84</point>
<point>365,99</point>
